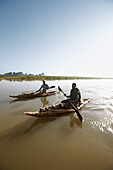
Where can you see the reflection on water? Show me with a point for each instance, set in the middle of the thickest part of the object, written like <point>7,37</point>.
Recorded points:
<point>74,120</point>
<point>24,99</point>
<point>45,101</point>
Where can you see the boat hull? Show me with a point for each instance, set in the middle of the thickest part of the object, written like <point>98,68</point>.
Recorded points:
<point>56,112</point>
<point>33,95</point>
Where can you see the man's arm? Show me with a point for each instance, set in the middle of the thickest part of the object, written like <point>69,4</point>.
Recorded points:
<point>70,94</point>
<point>39,89</point>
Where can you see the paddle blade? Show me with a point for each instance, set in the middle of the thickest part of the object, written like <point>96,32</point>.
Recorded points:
<point>59,89</point>
<point>77,112</point>
<point>52,87</point>
<point>79,115</point>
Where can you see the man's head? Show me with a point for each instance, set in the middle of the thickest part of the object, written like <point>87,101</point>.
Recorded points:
<point>73,85</point>
<point>44,82</point>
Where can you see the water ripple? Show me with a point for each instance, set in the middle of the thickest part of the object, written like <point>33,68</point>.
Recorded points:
<point>105,124</point>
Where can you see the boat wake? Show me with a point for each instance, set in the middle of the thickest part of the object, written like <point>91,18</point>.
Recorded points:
<point>104,124</point>
<point>103,118</point>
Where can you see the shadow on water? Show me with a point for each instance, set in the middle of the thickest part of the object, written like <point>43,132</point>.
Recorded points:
<point>19,130</point>
<point>39,121</point>
<point>42,120</point>
<point>15,131</point>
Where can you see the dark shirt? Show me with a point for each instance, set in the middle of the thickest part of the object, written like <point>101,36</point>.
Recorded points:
<point>75,94</point>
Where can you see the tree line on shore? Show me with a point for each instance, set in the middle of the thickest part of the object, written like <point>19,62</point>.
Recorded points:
<point>20,76</point>
<point>16,74</point>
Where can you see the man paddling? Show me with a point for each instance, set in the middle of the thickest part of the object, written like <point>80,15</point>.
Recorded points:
<point>43,88</point>
<point>74,97</point>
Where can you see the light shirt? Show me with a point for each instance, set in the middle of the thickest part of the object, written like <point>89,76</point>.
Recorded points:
<point>45,86</point>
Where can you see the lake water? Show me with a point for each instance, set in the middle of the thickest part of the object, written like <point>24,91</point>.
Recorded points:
<point>57,143</point>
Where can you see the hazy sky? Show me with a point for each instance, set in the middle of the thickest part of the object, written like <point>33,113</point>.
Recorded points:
<point>57,37</point>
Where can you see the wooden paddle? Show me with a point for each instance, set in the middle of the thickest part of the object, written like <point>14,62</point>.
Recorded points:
<point>76,110</point>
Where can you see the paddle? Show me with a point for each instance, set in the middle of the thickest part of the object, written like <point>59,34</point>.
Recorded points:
<point>48,88</point>
<point>78,114</point>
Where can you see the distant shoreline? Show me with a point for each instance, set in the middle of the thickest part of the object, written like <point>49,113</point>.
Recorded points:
<point>31,78</point>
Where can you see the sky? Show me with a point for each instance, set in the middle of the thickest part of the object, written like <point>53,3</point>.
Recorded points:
<point>57,37</point>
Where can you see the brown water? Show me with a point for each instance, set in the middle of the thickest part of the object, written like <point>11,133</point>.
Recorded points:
<point>57,143</point>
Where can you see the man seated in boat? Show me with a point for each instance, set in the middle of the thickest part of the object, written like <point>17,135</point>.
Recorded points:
<point>74,97</point>
<point>43,88</point>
